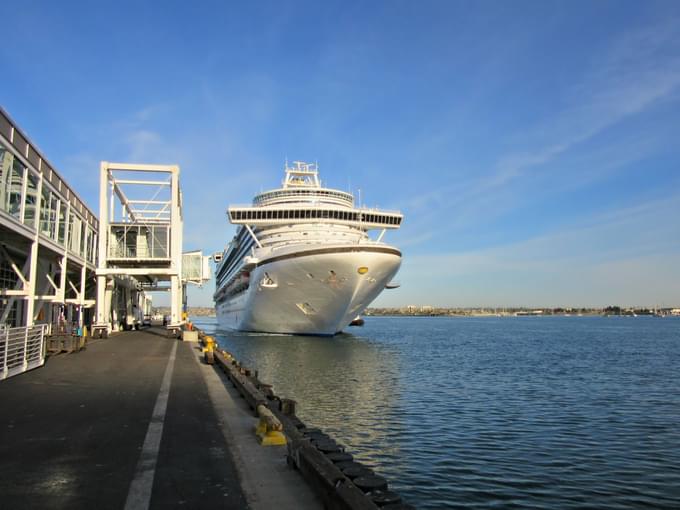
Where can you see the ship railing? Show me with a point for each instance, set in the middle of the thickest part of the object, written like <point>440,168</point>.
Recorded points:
<point>306,205</point>
<point>283,244</point>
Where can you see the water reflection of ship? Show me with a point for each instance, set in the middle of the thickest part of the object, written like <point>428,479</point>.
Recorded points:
<point>347,386</point>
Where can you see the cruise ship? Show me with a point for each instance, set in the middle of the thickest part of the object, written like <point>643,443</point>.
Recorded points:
<point>302,260</point>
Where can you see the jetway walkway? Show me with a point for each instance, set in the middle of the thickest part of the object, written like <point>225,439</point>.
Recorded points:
<point>48,239</point>
<point>58,259</point>
<point>140,249</point>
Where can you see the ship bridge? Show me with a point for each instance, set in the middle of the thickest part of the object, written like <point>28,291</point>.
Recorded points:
<point>303,199</point>
<point>302,184</point>
<point>363,218</point>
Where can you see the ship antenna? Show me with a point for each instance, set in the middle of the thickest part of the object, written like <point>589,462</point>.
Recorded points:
<point>361,214</point>
<point>285,179</point>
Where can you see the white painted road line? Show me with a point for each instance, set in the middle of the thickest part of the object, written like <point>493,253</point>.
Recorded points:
<point>139,495</point>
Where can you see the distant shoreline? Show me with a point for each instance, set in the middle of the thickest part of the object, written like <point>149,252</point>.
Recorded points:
<point>522,312</point>
<point>430,311</point>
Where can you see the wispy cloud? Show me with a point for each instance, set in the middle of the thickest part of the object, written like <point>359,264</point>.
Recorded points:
<point>625,256</point>
<point>144,144</point>
<point>633,74</point>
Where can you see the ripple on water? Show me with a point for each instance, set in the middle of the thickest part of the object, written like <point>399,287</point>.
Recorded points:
<point>562,412</point>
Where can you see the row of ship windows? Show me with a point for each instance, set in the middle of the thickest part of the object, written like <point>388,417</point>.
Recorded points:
<point>296,214</point>
<point>302,192</point>
<point>224,270</point>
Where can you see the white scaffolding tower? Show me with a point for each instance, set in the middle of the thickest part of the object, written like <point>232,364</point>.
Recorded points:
<point>140,243</point>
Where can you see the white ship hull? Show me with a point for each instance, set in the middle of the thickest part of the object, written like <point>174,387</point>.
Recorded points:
<point>314,291</point>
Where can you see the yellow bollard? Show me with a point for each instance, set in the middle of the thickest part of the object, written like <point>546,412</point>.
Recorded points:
<point>269,428</point>
<point>209,344</point>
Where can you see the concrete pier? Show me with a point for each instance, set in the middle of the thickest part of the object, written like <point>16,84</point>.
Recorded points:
<point>136,421</point>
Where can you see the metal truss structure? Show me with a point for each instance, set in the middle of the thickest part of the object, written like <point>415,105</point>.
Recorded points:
<point>140,248</point>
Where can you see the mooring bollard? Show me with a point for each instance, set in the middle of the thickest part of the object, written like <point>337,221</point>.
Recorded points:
<point>209,357</point>
<point>269,429</point>
<point>209,350</point>
<point>209,344</point>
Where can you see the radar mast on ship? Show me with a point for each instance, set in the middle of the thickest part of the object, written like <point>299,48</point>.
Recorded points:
<point>302,175</point>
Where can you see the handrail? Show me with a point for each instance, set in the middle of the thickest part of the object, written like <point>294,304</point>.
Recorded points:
<point>21,349</point>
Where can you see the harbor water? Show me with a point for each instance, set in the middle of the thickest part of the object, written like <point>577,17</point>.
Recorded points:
<point>509,412</point>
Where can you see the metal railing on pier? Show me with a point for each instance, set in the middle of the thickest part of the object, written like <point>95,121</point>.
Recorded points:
<point>21,349</point>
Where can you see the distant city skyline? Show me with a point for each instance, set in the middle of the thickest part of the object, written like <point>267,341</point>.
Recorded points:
<point>532,146</point>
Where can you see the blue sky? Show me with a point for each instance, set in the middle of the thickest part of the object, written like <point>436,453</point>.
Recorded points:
<point>532,146</point>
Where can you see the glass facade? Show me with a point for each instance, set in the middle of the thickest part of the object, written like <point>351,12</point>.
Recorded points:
<point>45,212</point>
<point>89,254</point>
<point>56,220</point>
<point>83,229</point>
<point>31,198</point>
<point>61,229</point>
<point>139,242</point>
<point>11,183</point>
<point>74,225</point>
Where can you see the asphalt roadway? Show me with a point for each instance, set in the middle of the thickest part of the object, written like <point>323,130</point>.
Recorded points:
<point>122,424</point>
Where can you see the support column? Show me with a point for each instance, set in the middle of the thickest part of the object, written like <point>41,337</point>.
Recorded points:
<point>69,315</point>
<point>128,293</point>
<point>115,298</point>
<point>103,313</point>
<point>32,283</point>
<point>49,316</point>
<point>108,304</point>
<point>176,228</point>
<point>33,258</point>
<point>61,291</point>
<point>81,297</point>
<point>102,307</point>
<point>175,301</point>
